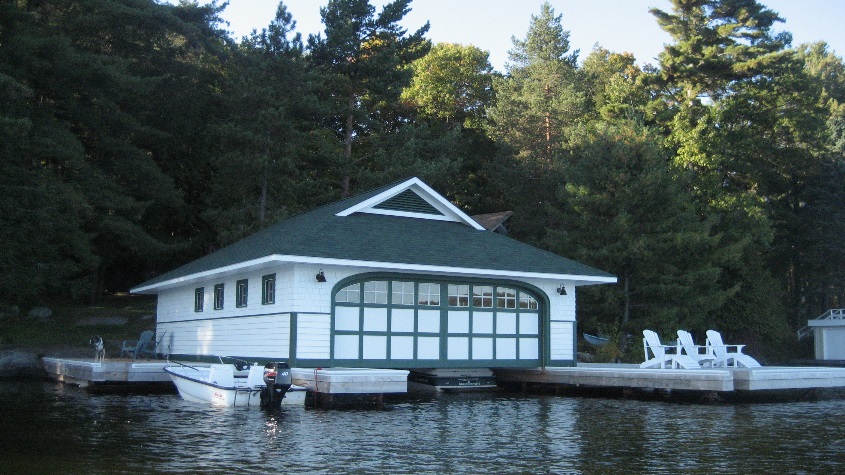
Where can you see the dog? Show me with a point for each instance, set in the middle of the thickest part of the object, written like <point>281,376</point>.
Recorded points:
<point>99,349</point>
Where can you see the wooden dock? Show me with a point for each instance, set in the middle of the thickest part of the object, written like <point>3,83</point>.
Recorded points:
<point>351,380</point>
<point>596,378</point>
<point>87,373</point>
<point>90,374</point>
<point>718,381</point>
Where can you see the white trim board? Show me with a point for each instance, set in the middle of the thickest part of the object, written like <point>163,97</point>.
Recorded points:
<point>450,211</point>
<point>386,266</point>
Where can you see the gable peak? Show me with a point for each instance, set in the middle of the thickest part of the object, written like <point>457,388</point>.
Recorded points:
<point>412,199</point>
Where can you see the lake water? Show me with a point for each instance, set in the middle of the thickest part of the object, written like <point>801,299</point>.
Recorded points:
<point>52,428</point>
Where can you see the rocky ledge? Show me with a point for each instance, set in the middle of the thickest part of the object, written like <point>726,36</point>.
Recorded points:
<point>21,365</point>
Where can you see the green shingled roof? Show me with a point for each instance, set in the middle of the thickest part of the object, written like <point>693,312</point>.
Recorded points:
<point>385,239</point>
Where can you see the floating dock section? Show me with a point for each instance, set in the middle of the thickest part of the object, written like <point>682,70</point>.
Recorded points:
<point>326,387</point>
<point>713,381</point>
<point>93,375</point>
<point>339,387</point>
<point>422,380</point>
<point>351,380</point>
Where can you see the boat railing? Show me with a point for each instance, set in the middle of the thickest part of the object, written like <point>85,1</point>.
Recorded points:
<point>169,362</point>
<point>239,363</point>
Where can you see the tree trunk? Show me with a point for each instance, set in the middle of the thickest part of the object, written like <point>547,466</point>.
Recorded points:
<point>347,147</point>
<point>548,127</point>
<point>626,312</point>
<point>262,199</point>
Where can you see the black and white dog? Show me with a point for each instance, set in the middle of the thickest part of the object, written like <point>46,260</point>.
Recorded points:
<point>99,349</point>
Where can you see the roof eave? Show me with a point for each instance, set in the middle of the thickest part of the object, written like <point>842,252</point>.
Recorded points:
<point>255,264</point>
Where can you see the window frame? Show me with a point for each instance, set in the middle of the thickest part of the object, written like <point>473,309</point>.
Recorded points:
<point>241,293</point>
<point>199,299</point>
<point>268,296</point>
<point>219,296</point>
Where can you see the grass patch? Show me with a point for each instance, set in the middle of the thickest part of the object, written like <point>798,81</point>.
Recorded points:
<point>67,326</point>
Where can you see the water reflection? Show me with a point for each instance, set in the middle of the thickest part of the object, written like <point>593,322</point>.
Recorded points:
<point>54,428</point>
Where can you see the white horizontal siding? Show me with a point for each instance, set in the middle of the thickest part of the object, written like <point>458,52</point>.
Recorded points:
<point>297,291</point>
<point>262,336</point>
<point>561,338</point>
<point>313,339</point>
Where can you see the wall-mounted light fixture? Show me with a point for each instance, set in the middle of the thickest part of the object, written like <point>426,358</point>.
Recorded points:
<point>561,289</point>
<point>320,276</point>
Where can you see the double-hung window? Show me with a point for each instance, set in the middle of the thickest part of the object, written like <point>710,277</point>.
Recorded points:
<point>199,299</point>
<point>241,289</point>
<point>268,289</point>
<point>218,297</point>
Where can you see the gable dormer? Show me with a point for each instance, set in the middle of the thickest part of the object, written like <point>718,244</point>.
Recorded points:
<point>412,199</point>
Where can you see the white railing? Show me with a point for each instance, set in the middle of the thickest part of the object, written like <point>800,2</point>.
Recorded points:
<point>832,314</point>
<point>804,332</point>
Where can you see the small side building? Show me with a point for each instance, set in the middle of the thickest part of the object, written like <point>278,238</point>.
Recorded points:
<point>829,335</point>
<point>397,277</point>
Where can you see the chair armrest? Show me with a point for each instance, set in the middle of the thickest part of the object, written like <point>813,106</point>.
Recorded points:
<point>677,348</point>
<point>698,349</point>
<point>727,348</point>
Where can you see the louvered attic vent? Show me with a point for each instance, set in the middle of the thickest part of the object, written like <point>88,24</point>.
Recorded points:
<point>408,201</point>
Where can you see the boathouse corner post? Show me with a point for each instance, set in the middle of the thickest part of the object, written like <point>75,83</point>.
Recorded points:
<point>292,339</point>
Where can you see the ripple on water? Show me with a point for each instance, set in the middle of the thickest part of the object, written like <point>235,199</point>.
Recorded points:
<point>63,429</point>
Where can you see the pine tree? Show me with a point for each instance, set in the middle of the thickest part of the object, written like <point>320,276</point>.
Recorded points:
<point>625,210</point>
<point>537,102</point>
<point>365,59</point>
<point>745,121</point>
<point>271,145</point>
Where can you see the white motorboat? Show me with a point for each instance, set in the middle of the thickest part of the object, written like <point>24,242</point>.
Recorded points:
<point>234,385</point>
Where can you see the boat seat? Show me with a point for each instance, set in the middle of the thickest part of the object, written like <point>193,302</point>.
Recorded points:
<point>255,377</point>
<point>222,375</point>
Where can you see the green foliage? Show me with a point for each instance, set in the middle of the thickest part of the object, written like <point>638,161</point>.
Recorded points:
<point>76,72</point>
<point>365,60</point>
<point>453,83</point>
<point>717,42</point>
<point>748,120</point>
<point>537,102</point>
<point>266,170</point>
<point>69,326</point>
<point>626,212</point>
<point>612,83</point>
<point>136,136</point>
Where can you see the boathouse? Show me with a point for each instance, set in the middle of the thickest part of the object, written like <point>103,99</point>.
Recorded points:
<point>397,277</point>
<point>829,335</point>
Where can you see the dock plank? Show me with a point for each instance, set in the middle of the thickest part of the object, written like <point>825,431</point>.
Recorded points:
<point>725,380</point>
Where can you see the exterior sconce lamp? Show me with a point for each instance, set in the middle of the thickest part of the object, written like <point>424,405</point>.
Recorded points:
<point>320,276</point>
<point>561,289</point>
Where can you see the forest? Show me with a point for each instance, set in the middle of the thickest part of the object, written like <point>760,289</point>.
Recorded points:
<point>136,136</point>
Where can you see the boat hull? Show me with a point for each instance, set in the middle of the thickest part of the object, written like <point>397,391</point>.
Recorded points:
<point>596,340</point>
<point>199,384</point>
<point>193,388</point>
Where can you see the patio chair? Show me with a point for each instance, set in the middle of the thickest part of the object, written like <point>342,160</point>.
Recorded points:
<point>689,347</point>
<point>143,346</point>
<point>664,354</point>
<point>725,357</point>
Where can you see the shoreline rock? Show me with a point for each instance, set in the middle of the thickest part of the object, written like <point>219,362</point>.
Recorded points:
<point>21,365</point>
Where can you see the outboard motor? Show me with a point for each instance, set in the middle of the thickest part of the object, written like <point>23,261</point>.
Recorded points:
<point>277,379</point>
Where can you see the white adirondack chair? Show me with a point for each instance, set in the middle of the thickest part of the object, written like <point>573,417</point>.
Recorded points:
<point>664,355</point>
<point>688,346</point>
<point>725,357</point>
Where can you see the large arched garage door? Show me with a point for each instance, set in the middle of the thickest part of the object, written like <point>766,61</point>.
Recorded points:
<point>403,321</point>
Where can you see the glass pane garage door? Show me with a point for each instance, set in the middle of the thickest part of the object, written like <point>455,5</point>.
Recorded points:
<point>398,323</point>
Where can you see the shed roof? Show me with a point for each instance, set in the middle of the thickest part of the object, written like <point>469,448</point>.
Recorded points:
<point>363,231</point>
